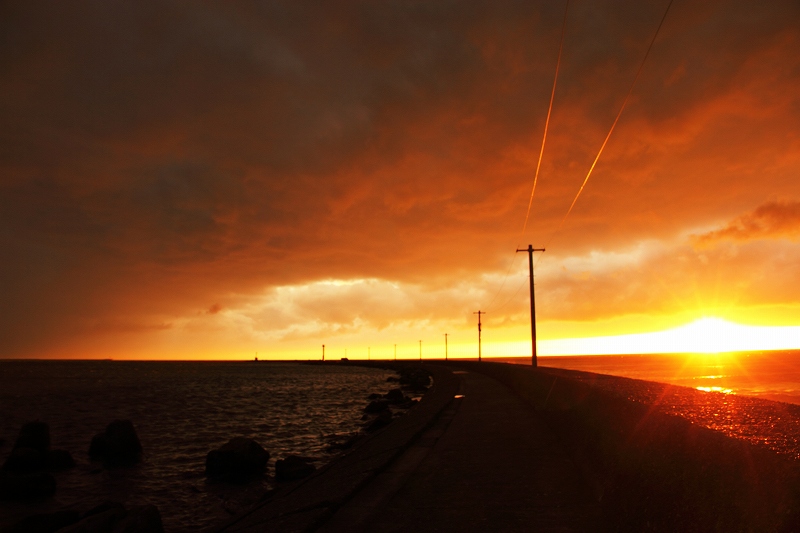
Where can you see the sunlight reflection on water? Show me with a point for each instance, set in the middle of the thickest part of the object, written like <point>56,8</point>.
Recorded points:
<point>739,400</point>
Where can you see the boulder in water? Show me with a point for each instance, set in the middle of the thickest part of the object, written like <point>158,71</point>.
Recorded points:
<point>118,446</point>
<point>34,435</point>
<point>25,460</point>
<point>395,396</point>
<point>376,406</point>
<point>293,467</point>
<point>30,450</point>
<point>415,379</point>
<point>59,460</point>
<point>238,461</point>
<point>382,420</point>
<point>27,485</point>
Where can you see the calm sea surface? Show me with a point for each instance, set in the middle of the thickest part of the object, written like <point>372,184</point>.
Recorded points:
<point>181,411</point>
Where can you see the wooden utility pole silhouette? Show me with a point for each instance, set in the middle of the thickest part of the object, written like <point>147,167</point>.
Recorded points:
<point>479,313</point>
<point>530,249</point>
<point>323,352</point>
<point>445,346</point>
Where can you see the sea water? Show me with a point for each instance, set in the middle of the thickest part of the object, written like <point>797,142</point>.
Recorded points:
<point>181,411</point>
<point>753,396</point>
<point>770,375</point>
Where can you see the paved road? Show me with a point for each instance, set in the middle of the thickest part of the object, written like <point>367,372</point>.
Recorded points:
<point>489,464</point>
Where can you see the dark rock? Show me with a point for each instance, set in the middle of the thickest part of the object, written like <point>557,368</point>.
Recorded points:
<point>35,435</point>
<point>343,445</point>
<point>238,461</point>
<point>376,406</point>
<point>395,396</point>
<point>382,420</point>
<point>45,523</point>
<point>374,396</point>
<point>60,460</point>
<point>293,467</point>
<point>30,449</point>
<point>408,403</point>
<point>118,446</point>
<point>415,379</point>
<point>25,460</point>
<point>26,486</point>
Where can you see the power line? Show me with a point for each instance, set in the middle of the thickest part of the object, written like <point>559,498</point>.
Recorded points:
<point>547,120</point>
<point>613,125</point>
<point>541,155</point>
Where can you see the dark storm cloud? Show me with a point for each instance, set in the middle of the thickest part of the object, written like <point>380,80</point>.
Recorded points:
<point>159,156</point>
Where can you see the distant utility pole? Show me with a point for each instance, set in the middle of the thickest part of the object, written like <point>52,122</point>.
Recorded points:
<point>420,350</point>
<point>323,352</point>
<point>395,352</point>
<point>479,313</point>
<point>445,346</point>
<point>368,353</point>
<point>530,249</point>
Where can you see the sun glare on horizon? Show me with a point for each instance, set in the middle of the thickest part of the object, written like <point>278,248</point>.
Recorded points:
<point>707,335</point>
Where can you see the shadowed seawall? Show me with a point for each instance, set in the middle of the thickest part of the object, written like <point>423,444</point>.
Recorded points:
<point>599,461</point>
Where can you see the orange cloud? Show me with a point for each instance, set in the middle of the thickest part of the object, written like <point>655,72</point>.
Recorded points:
<point>772,220</point>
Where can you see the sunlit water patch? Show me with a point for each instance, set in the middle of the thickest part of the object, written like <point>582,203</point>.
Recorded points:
<point>775,425</point>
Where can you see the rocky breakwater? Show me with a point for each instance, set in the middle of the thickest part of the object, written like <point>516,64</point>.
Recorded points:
<point>243,460</point>
<point>402,414</point>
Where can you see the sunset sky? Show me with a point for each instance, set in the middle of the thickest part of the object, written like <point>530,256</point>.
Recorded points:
<point>192,180</point>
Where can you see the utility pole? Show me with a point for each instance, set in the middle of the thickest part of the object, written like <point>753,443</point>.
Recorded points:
<point>479,313</point>
<point>530,249</point>
<point>445,346</point>
<point>420,350</point>
<point>395,352</point>
<point>323,352</point>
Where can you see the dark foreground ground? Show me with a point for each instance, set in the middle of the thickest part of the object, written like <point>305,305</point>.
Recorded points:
<point>497,447</point>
